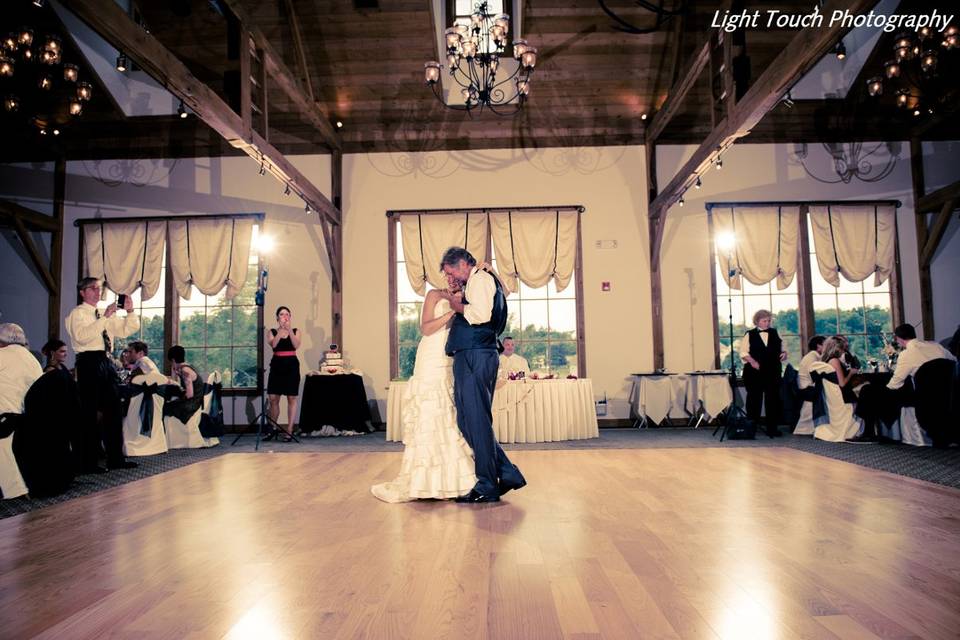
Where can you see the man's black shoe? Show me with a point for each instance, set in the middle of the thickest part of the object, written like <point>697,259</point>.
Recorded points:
<point>122,464</point>
<point>475,497</point>
<point>503,487</point>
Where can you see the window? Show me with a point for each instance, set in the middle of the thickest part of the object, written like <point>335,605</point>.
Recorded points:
<point>543,322</point>
<point>857,310</point>
<point>217,334</point>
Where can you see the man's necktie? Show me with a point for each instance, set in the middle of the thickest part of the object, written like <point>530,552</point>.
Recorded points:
<point>107,342</point>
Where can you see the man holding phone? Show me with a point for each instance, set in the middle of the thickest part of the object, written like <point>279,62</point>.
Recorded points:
<point>91,334</point>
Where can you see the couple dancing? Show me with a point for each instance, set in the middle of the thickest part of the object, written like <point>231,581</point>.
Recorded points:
<point>450,450</point>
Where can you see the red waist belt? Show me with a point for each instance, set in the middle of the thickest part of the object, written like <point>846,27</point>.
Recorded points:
<point>285,353</point>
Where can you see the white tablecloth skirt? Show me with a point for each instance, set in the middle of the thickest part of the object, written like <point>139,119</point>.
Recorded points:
<point>680,395</point>
<point>525,411</point>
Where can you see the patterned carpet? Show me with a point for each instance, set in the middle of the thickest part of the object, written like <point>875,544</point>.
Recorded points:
<point>939,466</point>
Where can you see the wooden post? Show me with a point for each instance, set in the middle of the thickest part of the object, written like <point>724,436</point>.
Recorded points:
<point>808,325</point>
<point>655,221</point>
<point>920,218</point>
<point>56,247</point>
<point>336,289</point>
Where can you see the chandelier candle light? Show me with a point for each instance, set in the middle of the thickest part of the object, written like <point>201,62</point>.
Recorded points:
<point>474,60</point>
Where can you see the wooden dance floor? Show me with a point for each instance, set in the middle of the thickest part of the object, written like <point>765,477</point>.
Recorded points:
<point>672,543</point>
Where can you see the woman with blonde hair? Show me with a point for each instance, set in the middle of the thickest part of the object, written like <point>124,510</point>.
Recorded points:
<point>839,424</point>
<point>835,350</point>
<point>761,350</point>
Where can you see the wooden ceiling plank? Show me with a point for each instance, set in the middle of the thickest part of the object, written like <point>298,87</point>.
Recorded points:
<point>679,91</point>
<point>285,80</point>
<point>32,220</point>
<point>936,199</point>
<point>299,49</point>
<point>936,231</point>
<point>115,26</point>
<point>38,263</point>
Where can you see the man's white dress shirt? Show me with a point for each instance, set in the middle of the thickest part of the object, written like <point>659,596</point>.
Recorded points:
<point>803,373</point>
<point>147,366</point>
<point>916,354</point>
<point>86,329</point>
<point>512,364</point>
<point>479,292</point>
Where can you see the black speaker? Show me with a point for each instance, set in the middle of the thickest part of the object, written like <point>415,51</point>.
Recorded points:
<point>741,428</point>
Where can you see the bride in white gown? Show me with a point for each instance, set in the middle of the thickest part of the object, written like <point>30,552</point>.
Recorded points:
<point>437,461</point>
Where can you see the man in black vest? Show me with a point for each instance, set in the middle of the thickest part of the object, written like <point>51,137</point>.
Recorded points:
<point>481,315</point>
<point>761,350</point>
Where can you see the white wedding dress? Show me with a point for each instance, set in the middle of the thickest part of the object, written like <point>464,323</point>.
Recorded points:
<point>437,461</point>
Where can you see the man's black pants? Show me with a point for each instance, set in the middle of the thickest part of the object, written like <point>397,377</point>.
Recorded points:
<point>100,419</point>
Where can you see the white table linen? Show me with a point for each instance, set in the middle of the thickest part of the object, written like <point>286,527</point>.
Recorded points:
<point>525,411</point>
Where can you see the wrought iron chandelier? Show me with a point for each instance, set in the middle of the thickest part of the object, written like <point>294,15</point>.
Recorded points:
<point>922,75</point>
<point>37,84</point>
<point>474,55</point>
<point>853,160</point>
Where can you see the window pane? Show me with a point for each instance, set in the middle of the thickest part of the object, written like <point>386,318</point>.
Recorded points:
<point>849,287</point>
<point>513,321</point>
<point>407,355</point>
<point>563,358</point>
<point>752,304</point>
<point>819,284</point>
<point>533,315</point>
<point>878,316</point>
<point>786,317</point>
<point>405,292</point>
<point>825,315</point>
<point>851,313</point>
<point>218,359</point>
<point>408,322</point>
<point>563,319</point>
<point>750,288</point>
<point>536,355</point>
<point>192,327</point>
<point>219,327</point>
<point>569,292</point>
<point>874,347</point>
<point>197,358</point>
<point>245,326</point>
<point>196,299</point>
<point>794,350</point>
<point>247,295</point>
<point>722,287</point>
<point>529,293</point>
<point>244,367</point>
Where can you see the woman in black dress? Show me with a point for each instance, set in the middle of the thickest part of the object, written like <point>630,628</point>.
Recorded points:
<point>284,377</point>
<point>56,352</point>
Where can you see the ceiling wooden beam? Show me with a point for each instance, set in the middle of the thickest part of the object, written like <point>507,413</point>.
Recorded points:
<point>286,81</point>
<point>32,220</point>
<point>803,51</point>
<point>679,91</point>
<point>936,199</point>
<point>299,49</point>
<point>936,231</point>
<point>115,26</point>
<point>38,262</point>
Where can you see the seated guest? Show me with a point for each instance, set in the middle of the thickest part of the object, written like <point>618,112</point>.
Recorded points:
<point>833,352</point>
<point>511,362</point>
<point>851,365</point>
<point>56,353</point>
<point>885,402</point>
<point>815,346</point>
<point>18,370</point>
<point>137,357</point>
<point>190,383</point>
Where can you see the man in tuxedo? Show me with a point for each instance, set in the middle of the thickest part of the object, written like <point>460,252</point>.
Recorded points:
<point>480,316</point>
<point>761,350</point>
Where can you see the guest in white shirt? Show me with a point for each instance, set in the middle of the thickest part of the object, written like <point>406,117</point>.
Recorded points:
<point>138,358</point>
<point>510,361</point>
<point>815,344</point>
<point>19,369</point>
<point>91,336</point>
<point>878,403</point>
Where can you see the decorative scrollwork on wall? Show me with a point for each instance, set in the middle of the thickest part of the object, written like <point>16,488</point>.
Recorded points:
<point>136,173</point>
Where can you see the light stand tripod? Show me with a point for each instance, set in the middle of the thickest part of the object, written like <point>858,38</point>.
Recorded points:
<point>262,418</point>
<point>733,411</point>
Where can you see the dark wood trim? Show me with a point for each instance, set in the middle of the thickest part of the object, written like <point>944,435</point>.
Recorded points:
<point>678,92</point>
<point>279,72</point>
<point>655,223</point>
<point>336,289</point>
<point>935,232</point>
<point>920,220</point>
<point>581,320</point>
<point>31,220</point>
<point>714,316</point>
<point>896,280</point>
<point>246,105</point>
<point>109,20</point>
<point>171,312</point>
<point>801,203</point>
<point>56,247</point>
<point>392,292</point>
<point>807,316</point>
<point>803,51</point>
<point>301,54</point>
<point>392,213</point>
<point>82,221</point>
<point>936,199</point>
<point>38,262</point>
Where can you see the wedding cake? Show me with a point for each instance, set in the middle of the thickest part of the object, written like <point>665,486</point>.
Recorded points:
<point>332,360</point>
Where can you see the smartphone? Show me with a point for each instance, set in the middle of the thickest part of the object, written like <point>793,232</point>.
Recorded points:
<point>121,301</point>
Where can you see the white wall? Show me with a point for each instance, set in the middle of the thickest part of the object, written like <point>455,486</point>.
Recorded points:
<point>609,182</point>
<point>940,168</point>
